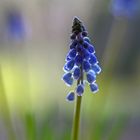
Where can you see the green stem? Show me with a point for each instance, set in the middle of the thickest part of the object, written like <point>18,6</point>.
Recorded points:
<point>76,121</point>
<point>75,132</point>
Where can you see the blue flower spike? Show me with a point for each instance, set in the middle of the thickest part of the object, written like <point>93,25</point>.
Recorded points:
<point>80,60</point>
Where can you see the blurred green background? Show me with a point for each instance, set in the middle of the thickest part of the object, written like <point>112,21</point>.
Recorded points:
<point>32,94</point>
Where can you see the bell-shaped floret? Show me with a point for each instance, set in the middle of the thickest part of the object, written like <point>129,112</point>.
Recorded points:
<point>67,78</point>
<point>96,68</point>
<point>71,96</point>
<point>80,89</point>
<point>91,76</point>
<point>94,87</point>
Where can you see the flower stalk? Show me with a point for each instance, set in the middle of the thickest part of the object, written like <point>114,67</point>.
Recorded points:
<point>80,60</point>
<point>76,121</point>
<point>77,110</point>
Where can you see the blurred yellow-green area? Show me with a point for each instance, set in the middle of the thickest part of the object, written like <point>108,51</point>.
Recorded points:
<point>32,55</point>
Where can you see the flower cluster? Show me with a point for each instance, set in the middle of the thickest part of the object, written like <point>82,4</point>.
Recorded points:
<point>80,61</point>
<point>126,8</point>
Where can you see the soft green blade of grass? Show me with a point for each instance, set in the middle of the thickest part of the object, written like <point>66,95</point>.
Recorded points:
<point>45,131</point>
<point>51,127</point>
<point>66,135</point>
<point>5,110</point>
<point>118,128</point>
<point>30,126</point>
<point>99,129</point>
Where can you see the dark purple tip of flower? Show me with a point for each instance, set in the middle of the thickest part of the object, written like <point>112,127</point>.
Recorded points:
<point>76,20</point>
<point>93,59</point>
<point>80,89</point>
<point>71,96</point>
<point>78,60</point>
<point>86,54</point>
<point>67,78</point>
<point>73,44</point>
<point>96,68</point>
<point>78,26</point>
<point>86,66</point>
<point>76,73</point>
<point>73,36</point>
<point>91,49</point>
<point>84,33</point>
<point>91,76</point>
<point>87,39</point>
<point>80,38</point>
<point>94,87</point>
<point>72,53</point>
<point>70,64</point>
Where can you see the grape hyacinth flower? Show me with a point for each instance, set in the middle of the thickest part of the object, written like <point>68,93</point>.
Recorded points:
<point>81,66</point>
<point>125,8</point>
<point>80,61</point>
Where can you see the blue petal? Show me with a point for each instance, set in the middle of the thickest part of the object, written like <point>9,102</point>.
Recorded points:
<point>94,87</point>
<point>67,78</point>
<point>65,68</point>
<point>70,64</point>
<point>78,60</point>
<point>86,66</point>
<point>91,49</point>
<point>72,53</point>
<point>70,96</point>
<point>86,54</point>
<point>68,58</point>
<point>80,89</point>
<point>87,39</point>
<point>93,59</point>
<point>96,68</point>
<point>91,76</point>
<point>77,73</point>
